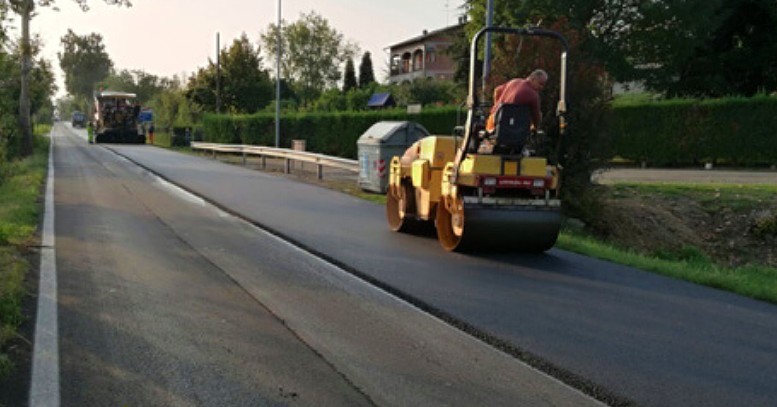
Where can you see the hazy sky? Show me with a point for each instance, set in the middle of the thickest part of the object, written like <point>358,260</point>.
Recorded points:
<point>174,37</point>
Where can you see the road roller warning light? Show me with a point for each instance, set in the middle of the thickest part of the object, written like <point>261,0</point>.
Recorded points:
<point>487,190</point>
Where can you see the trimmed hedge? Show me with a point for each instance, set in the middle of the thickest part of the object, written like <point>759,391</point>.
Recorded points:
<point>332,133</point>
<point>741,131</point>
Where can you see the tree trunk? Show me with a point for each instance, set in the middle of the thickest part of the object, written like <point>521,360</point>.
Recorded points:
<point>25,123</point>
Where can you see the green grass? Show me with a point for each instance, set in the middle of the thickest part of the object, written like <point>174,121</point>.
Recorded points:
<point>752,281</point>
<point>19,218</point>
<point>713,197</point>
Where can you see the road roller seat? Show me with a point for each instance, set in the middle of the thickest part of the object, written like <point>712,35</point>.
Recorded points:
<point>513,127</point>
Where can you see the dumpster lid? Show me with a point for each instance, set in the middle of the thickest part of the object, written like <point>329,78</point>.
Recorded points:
<point>383,132</point>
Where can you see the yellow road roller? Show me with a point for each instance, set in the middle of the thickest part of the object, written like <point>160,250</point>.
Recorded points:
<point>482,190</point>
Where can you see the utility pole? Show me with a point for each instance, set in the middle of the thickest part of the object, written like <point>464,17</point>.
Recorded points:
<point>218,74</point>
<point>278,83</point>
<point>487,54</point>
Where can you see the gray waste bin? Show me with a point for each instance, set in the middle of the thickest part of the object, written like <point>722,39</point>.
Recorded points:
<point>378,145</point>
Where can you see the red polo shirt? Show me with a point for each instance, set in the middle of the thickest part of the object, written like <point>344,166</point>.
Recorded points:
<point>519,92</point>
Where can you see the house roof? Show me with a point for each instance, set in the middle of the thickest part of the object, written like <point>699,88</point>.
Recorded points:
<point>450,28</point>
<point>380,100</point>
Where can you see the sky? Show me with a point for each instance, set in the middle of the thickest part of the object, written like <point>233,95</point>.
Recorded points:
<point>175,37</point>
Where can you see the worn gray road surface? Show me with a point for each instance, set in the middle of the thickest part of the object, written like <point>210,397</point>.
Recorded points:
<point>165,301</point>
<point>641,337</point>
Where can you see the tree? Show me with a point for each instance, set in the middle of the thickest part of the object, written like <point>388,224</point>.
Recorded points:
<point>25,9</point>
<point>583,146</point>
<point>313,51</point>
<point>42,87</point>
<point>738,57</point>
<point>366,73</point>
<point>84,62</point>
<point>141,83</point>
<point>349,77</point>
<point>245,85</point>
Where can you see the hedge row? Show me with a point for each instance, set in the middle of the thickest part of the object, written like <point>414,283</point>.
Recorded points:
<point>681,132</point>
<point>740,131</point>
<point>328,133</point>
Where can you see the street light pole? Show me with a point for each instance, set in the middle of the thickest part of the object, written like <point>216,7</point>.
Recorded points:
<point>487,54</point>
<point>278,84</point>
<point>218,73</point>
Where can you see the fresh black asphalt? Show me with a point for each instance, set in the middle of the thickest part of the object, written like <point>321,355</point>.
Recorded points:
<point>638,336</point>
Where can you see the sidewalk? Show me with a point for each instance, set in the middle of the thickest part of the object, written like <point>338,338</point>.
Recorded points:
<point>690,176</point>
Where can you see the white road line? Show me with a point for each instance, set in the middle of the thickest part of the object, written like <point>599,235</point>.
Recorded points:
<point>44,388</point>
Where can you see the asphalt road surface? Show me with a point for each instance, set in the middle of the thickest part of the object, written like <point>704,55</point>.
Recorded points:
<point>135,255</point>
<point>165,300</point>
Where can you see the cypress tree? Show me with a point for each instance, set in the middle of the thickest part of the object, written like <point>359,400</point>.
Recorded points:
<point>349,78</point>
<point>366,74</point>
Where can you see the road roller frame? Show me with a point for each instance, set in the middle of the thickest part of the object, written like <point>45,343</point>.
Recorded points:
<point>479,200</point>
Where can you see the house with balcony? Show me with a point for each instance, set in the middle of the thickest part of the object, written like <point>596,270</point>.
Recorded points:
<point>424,56</point>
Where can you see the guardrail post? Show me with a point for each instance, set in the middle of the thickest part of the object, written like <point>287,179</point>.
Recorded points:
<point>287,166</point>
<point>320,171</point>
<point>264,162</point>
<point>244,158</point>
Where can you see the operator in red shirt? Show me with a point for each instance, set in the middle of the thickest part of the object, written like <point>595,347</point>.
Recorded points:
<point>520,91</point>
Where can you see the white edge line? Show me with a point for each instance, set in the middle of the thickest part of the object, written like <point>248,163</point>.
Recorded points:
<point>44,385</point>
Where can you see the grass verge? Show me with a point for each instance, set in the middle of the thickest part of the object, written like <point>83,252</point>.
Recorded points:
<point>19,218</point>
<point>757,282</point>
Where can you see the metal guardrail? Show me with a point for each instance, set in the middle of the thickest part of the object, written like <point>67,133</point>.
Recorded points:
<point>320,160</point>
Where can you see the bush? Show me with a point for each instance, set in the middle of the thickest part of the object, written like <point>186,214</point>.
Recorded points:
<point>683,131</point>
<point>333,133</point>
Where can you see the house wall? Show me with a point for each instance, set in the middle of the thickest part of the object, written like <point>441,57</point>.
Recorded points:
<point>424,57</point>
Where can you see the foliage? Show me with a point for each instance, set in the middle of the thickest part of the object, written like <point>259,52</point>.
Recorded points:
<point>682,48</point>
<point>41,88</point>
<point>19,219</point>
<point>173,109</point>
<point>84,62</point>
<point>245,85</point>
<point>313,52</point>
<point>428,92</point>
<point>583,147</point>
<point>686,131</point>
<point>139,82</point>
<point>366,73</point>
<point>349,77</point>
<point>333,133</point>
<point>8,110</point>
<point>738,57</point>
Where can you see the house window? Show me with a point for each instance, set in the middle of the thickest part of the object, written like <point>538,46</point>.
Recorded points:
<point>418,60</point>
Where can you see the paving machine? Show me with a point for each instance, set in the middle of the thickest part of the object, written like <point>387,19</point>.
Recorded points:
<point>116,118</point>
<point>504,199</point>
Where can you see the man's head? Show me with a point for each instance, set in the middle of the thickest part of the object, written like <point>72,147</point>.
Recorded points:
<point>538,78</point>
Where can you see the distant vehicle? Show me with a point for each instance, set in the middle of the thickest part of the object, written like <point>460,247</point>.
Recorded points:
<point>116,118</point>
<point>78,119</point>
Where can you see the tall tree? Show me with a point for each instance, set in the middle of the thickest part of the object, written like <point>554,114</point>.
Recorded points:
<point>139,82</point>
<point>84,62</point>
<point>25,9</point>
<point>582,146</point>
<point>313,51</point>
<point>41,88</point>
<point>245,85</point>
<point>366,73</point>
<point>739,57</point>
<point>349,77</point>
